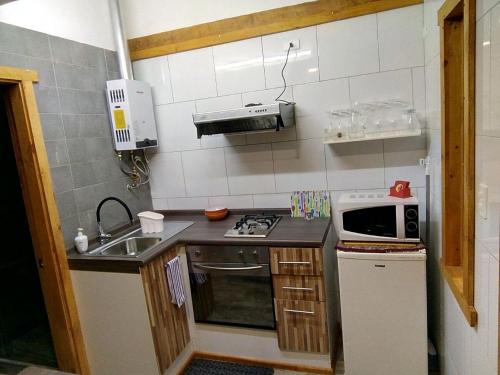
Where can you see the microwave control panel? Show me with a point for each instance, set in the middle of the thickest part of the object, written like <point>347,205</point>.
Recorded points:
<point>411,221</point>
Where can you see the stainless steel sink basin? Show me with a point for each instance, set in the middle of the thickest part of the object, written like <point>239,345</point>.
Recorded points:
<point>132,246</point>
<point>126,247</point>
<point>135,243</point>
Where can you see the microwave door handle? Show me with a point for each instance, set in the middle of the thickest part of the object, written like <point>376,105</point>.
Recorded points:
<point>227,268</point>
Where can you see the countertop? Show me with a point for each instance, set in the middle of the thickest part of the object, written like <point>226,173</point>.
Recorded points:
<point>290,232</point>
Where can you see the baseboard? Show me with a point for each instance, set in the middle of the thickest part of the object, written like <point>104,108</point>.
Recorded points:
<point>263,362</point>
<point>186,364</point>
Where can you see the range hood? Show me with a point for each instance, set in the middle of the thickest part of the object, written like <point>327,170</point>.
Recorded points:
<point>252,118</point>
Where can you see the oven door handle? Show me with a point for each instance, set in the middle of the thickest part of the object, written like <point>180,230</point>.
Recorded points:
<point>227,268</point>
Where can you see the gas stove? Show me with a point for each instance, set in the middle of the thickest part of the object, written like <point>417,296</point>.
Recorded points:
<point>253,226</point>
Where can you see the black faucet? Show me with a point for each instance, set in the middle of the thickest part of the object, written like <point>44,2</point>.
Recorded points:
<point>102,235</point>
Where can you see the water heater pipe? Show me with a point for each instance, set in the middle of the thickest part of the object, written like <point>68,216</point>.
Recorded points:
<point>120,40</point>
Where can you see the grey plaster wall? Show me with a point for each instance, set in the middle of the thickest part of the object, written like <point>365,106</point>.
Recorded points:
<point>73,112</point>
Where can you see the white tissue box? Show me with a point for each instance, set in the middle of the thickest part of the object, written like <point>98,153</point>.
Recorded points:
<point>151,222</point>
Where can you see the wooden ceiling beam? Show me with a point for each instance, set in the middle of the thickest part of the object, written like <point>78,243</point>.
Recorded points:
<point>257,24</point>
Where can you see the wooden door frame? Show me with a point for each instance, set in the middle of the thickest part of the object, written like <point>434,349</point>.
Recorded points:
<point>457,20</point>
<point>32,163</point>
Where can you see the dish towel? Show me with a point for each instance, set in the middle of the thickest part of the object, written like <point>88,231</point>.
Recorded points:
<point>175,283</point>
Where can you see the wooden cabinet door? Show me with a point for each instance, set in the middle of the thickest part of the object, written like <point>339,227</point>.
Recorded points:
<point>306,288</point>
<point>296,261</point>
<point>169,323</point>
<point>302,326</point>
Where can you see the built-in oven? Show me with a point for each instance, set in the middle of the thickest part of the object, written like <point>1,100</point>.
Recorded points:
<point>231,285</point>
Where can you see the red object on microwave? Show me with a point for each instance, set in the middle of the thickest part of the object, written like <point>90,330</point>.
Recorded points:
<point>401,189</point>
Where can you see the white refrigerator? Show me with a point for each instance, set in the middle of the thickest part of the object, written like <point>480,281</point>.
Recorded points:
<point>384,312</point>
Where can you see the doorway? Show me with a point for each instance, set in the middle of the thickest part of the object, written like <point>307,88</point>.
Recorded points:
<point>39,290</point>
<point>24,328</point>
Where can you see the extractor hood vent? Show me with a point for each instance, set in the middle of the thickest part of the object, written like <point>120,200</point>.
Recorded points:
<point>252,118</point>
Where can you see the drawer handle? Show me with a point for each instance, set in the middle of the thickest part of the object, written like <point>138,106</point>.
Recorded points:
<point>294,262</point>
<point>299,311</point>
<point>297,288</point>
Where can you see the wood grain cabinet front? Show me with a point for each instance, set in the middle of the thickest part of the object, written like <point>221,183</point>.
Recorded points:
<point>302,326</point>
<point>305,288</point>
<point>169,324</point>
<point>299,291</point>
<point>296,261</point>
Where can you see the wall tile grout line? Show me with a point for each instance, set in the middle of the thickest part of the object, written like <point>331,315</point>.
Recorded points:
<point>274,167</point>
<point>60,107</point>
<point>378,43</point>
<point>225,169</point>
<point>169,77</point>
<point>263,62</point>
<point>183,174</point>
<point>215,71</point>
<point>288,86</point>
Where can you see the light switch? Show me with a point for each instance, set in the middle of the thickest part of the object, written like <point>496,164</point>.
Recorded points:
<point>482,201</point>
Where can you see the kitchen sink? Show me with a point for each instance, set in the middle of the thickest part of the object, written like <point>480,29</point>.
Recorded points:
<point>132,246</point>
<point>135,243</point>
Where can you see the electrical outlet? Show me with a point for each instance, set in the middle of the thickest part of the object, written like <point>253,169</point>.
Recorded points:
<point>295,44</point>
<point>482,201</point>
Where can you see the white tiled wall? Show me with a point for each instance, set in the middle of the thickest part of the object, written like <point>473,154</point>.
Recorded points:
<point>380,56</point>
<point>349,47</point>
<point>302,66</point>
<point>231,59</point>
<point>465,350</point>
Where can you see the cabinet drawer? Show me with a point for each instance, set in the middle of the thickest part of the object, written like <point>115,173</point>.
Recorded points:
<point>296,261</point>
<point>301,326</point>
<point>306,288</point>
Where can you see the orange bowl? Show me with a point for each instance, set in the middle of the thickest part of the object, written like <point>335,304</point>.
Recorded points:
<point>216,213</point>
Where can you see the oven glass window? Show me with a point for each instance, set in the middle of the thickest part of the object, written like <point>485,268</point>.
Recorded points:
<point>242,298</point>
<point>373,221</point>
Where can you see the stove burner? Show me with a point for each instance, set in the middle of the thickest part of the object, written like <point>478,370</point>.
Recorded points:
<point>253,226</point>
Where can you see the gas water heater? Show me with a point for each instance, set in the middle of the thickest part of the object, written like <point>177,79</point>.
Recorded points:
<point>132,116</point>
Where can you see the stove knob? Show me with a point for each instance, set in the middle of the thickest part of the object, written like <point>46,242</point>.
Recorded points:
<point>197,253</point>
<point>255,253</point>
<point>240,253</point>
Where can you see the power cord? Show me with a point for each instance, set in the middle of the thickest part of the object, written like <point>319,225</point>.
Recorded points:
<point>283,76</point>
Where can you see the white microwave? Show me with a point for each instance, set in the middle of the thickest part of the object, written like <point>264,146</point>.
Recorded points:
<point>376,217</point>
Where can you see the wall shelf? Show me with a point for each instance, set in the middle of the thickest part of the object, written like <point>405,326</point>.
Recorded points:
<point>387,135</point>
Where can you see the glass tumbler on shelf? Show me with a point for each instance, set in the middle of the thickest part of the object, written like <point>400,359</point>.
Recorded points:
<point>359,122</point>
<point>412,121</point>
<point>374,118</point>
<point>340,122</point>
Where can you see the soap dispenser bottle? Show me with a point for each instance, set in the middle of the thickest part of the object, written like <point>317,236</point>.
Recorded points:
<point>81,241</point>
